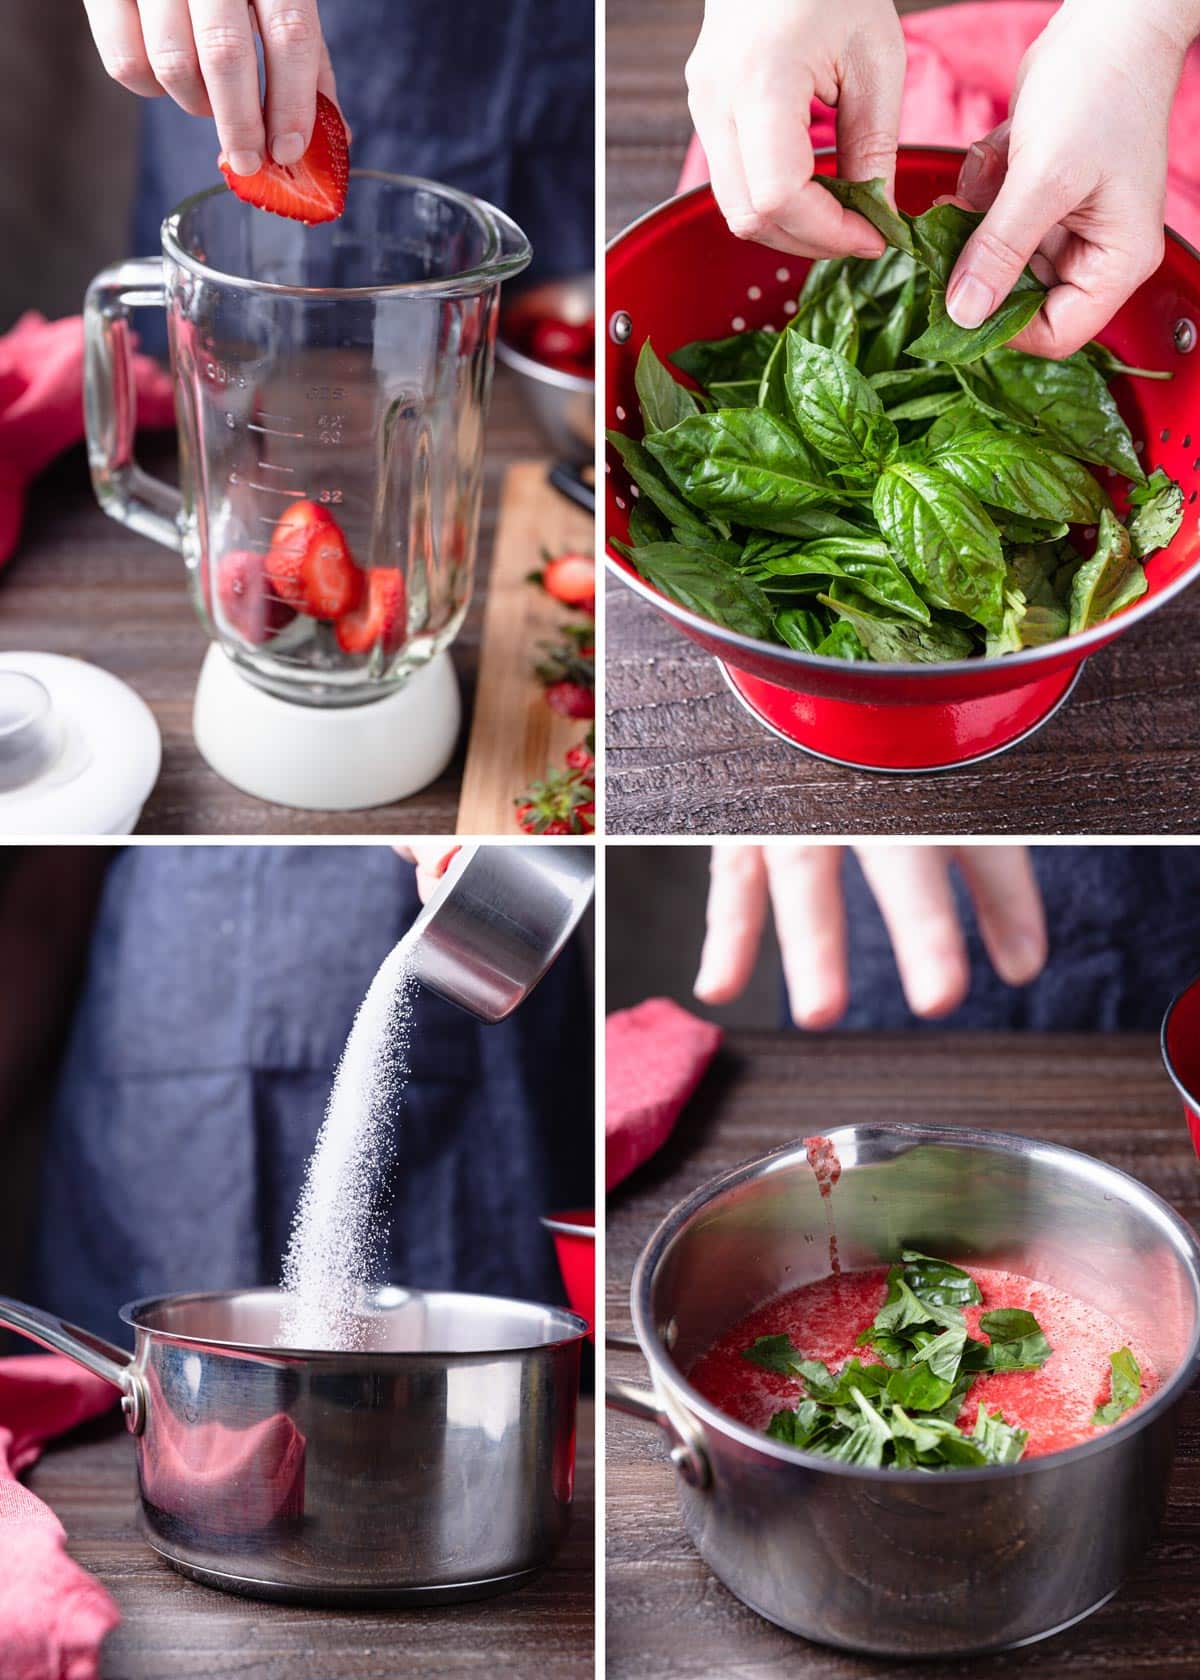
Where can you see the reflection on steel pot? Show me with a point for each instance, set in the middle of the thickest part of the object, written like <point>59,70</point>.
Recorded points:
<point>913,1563</point>
<point>1181,1053</point>
<point>562,403</point>
<point>436,1466</point>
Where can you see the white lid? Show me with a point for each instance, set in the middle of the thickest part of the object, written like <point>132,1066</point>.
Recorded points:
<point>79,750</point>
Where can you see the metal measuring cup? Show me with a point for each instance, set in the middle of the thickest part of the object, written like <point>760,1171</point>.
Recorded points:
<point>499,918</point>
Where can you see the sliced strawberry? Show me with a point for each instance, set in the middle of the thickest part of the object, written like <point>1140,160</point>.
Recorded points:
<point>312,190</point>
<point>380,619</point>
<point>333,585</point>
<point>249,605</point>
<point>571,579</point>
<point>571,699</point>
<point>294,534</point>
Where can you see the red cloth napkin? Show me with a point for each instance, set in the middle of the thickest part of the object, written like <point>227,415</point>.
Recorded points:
<point>655,1056</point>
<point>53,1615</point>
<point>41,406</point>
<point>962,63</point>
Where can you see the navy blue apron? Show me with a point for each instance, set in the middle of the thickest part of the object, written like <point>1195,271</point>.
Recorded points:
<point>221,985</point>
<point>496,99</point>
<point>1124,926</point>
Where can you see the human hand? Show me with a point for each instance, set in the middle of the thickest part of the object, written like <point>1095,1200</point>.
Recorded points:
<point>752,77</point>
<point>911,885</point>
<point>202,53</point>
<point>1075,182</point>
<point>432,858</point>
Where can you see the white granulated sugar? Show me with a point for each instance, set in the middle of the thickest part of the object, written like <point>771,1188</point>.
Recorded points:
<point>338,1239</point>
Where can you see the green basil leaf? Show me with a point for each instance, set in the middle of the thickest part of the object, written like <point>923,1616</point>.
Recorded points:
<point>1066,402</point>
<point>744,465</point>
<point>801,1427</point>
<point>827,315</point>
<point>865,1443</point>
<point>944,1353</point>
<point>799,627</point>
<point>1110,580</point>
<point>870,200</point>
<point>1016,1341</point>
<point>1125,1388</point>
<point>664,401</point>
<point>646,523</point>
<point>774,1353</point>
<point>883,351</point>
<point>938,237</point>
<point>842,642</point>
<point>929,407</point>
<point>653,482</point>
<point>1000,1442</point>
<point>865,561</point>
<point>938,1282</point>
<point>835,408</point>
<point>741,356</point>
<point>1015,529</point>
<point>704,585</point>
<point>1157,515</point>
<point>941,535</point>
<point>945,341</point>
<point>1022,476</point>
<point>918,1389</point>
<point>735,393</point>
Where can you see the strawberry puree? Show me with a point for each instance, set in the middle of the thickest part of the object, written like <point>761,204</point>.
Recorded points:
<point>1054,1404</point>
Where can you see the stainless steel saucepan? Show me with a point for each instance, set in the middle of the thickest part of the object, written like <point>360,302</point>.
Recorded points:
<point>914,1563</point>
<point>436,1466</point>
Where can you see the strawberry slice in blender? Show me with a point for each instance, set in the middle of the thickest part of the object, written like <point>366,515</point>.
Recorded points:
<point>380,619</point>
<point>311,190</point>
<point>332,585</point>
<point>295,533</point>
<point>248,603</point>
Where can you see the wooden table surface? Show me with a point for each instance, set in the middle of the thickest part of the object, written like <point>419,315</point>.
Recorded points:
<point>81,584</point>
<point>1105,1094</point>
<point>174,1627</point>
<point>1122,757</point>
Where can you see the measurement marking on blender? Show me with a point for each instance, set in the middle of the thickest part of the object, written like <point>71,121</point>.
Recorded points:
<point>270,466</point>
<point>271,431</point>
<point>274,490</point>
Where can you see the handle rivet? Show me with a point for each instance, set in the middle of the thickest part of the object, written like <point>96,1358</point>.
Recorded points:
<point>620,328</point>
<point>1184,335</point>
<point>133,1407</point>
<point>693,1470</point>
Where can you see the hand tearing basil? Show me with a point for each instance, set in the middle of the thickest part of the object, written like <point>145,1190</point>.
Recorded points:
<point>878,483</point>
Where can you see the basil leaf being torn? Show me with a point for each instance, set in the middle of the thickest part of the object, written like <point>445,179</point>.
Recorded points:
<point>1125,1388</point>
<point>869,199</point>
<point>945,341</point>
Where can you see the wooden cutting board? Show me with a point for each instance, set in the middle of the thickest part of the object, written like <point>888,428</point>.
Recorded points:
<point>515,737</point>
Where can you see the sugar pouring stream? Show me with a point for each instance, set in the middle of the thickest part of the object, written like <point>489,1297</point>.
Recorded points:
<point>495,924</point>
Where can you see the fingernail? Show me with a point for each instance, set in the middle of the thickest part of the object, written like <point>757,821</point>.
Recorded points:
<point>866,249</point>
<point>932,989</point>
<point>1023,956</point>
<point>972,169</point>
<point>969,302</point>
<point>245,163</point>
<point>287,148</point>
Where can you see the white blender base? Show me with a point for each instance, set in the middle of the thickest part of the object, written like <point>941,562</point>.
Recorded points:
<point>344,758</point>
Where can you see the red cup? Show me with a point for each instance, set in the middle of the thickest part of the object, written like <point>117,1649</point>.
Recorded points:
<point>1181,1053</point>
<point>574,1234</point>
<point>679,274</point>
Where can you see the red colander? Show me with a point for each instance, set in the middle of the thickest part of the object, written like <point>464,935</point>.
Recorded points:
<point>1181,1053</point>
<point>678,274</point>
<point>574,1236</point>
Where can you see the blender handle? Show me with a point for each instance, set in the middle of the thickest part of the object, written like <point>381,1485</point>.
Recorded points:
<point>123,490</point>
<point>103,1359</point>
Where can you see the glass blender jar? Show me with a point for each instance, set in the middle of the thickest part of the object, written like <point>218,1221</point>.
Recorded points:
<point>335,379</point>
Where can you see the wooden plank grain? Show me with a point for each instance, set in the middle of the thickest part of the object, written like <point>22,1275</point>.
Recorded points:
<point>172,1626</point>
<point>667,1615</point>
<point>80,584</point>
<point>515,737</point>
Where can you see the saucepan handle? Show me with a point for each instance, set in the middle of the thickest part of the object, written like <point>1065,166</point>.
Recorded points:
<point>686,1445</point>
<point>92,1352</point>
